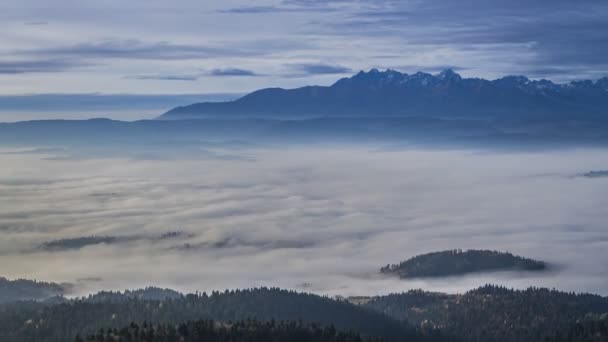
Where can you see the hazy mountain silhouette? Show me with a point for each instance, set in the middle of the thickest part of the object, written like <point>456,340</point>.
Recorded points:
<point>391,93</point>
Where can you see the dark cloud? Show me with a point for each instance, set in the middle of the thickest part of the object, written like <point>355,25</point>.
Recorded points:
<point>306,69</point>
<point>37,66</point>
<point>232,72</point>
<point>79,242</point>
<point>229,243</point>
<point>525,35</point>
<point>596,174</point>
<point>165,77</point>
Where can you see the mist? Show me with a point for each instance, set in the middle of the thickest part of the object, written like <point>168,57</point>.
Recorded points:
<point>321,219</point>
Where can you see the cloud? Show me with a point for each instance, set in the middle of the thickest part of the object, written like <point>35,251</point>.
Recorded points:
<point>306,69</point>
<point>138,49</point>
<point>326,217</point>
<point>288,6</point>
<point>265,9</point>
<point>133,48</point>
<point>496,30</point>
<point>75,243</point>
<point>232,72</point>
<point>38,66</point>
<point>165,77</point>
<point>229,72</point>
<point>488,38</point>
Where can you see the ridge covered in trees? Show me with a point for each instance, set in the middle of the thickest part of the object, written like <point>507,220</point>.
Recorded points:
<point>33,321</point>
<point>491,313</point>
<point>24,289</point>
<point>458,262</point>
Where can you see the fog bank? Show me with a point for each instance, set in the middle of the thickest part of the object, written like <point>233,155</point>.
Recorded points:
<point>315,219</point>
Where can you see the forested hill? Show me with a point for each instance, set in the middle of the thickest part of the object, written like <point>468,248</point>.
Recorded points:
<point>23,289</point>
<point>490,313</point>
<point>62,322</point>
<point>493,313</point>
<point>458,262</point>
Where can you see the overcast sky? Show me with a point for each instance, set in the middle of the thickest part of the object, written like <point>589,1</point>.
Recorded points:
<point>234,46</point>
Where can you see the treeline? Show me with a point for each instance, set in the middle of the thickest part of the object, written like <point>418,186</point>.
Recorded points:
<point>492,313</point>
<point>457,262</point>
<point>63,321</point>
<point>214,331</point>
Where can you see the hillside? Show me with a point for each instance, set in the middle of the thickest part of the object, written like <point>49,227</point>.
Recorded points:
<point>493,313</point>
<point>391,93</point>
<point>489,313</point>
<point>63,321</point>
<point>23,289</point>
<point>458,262</point>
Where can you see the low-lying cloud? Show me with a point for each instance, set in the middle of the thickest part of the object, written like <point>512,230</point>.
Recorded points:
<point>315,219</point>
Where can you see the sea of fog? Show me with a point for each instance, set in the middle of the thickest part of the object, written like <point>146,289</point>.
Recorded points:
<point>318,219</point>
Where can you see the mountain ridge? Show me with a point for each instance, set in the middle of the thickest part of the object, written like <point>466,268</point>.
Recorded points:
<point>392,93</point>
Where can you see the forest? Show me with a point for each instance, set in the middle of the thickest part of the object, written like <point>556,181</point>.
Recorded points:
<point>209,330</point>
<point>592,328</point>
<point>36,321</point>
<point>492,313</point>
<point>458,262</point>
<point>489,313</point>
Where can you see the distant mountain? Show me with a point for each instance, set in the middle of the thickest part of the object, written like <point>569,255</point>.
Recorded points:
<point>391,93</point>
<point>199,137</point>
<point>458,262</point>
<point>23,289</point>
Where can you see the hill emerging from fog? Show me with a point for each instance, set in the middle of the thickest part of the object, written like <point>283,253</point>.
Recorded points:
<point>391,93</point>
<point>458,262</point>
<point>23,289</point>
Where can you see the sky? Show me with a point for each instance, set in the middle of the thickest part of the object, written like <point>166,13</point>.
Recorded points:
<point>319,219</point>
<point>236,46</point>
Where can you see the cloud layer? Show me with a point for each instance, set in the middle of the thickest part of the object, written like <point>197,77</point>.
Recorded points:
<point>321,220</point>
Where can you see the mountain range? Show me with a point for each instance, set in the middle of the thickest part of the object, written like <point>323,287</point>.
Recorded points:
<point>392,93</point>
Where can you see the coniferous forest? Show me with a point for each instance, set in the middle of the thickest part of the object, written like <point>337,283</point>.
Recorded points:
<point>208,330</point>
<point>489,313</point>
